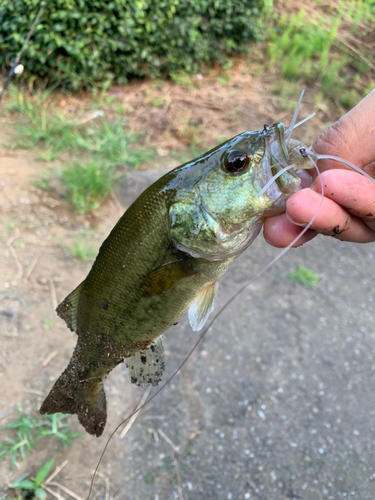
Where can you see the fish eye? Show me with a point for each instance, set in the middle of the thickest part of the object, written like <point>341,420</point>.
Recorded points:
<point>237,161</point>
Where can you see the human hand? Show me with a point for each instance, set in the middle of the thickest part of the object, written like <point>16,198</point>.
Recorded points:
<point>348,207</point>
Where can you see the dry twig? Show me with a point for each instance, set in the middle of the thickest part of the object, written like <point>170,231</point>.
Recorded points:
<point>49,358</point>
<point>175,448</point>
<point>179,487</point>
<point>56,471</point>
<point>53,493</point>
<point>30,269</point>
<point>67,490</point>
<point>53,294</point>
<point>17,261</point>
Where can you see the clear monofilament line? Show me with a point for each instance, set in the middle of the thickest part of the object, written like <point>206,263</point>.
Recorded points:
<point>276,176</point>
<point>345,162</point>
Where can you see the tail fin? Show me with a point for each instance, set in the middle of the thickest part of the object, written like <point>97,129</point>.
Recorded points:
<point>88,403</point>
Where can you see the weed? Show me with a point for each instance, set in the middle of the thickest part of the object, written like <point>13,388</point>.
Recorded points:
<point>19,242</point>
<point>155,100</point>
<point>223,79</point>
<point>88,185</point>
<point>305,277</point>
<point>48,131</point>
<point>47,323</point>
<point>185,80</point>
<point>29,429</point>
<point>368,88</point>
<point>110,143</point>
<point>191,133</point>
<point>42,129</point>
<point>24,439</point>
<point>89,182</point>
<point>150,477</point>
<point>99,97</point>
<point>55,426</point>
<point>36,486</point>
<point>257,71</point>
<point>11,226</point>
<point>303,48</point>
<point>43,182</point>
<point>349,99</point>
<point>169,466</point>
<point>82,248</point>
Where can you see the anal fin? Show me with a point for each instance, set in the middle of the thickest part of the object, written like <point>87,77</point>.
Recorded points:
<point>203,306</point>
<point>146,367</point>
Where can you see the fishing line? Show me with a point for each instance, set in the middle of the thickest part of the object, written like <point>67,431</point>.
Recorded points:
<point>276,176</point>
<point>345,162</point>
<point>208,326</point>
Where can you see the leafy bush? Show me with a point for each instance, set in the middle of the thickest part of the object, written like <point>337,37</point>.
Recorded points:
<point>80,42</point>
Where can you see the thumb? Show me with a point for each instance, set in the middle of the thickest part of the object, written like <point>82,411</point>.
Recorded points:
<point>352,137</point>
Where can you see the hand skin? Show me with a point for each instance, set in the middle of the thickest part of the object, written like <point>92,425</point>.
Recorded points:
<point>348,208</point>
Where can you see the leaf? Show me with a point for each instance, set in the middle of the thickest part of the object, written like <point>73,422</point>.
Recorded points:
<point>305,277</point>
<point>40,493</point>
<point>24,485</point>
<point>43,472</point>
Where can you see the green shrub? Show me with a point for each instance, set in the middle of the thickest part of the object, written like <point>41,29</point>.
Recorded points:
<point>80,42</point>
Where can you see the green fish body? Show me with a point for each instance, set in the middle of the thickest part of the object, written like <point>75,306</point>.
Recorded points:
<point>164,258</point>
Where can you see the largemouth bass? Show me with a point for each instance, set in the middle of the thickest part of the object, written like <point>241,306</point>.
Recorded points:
<point>164,258</point>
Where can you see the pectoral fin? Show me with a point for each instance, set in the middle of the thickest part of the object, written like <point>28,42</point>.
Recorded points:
<point>203,306</point>
<point>68,308</point>
<point>146,367</point>
<point>162,279</point>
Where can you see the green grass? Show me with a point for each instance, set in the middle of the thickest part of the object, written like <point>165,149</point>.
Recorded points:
<point>308,49</point>
<point>35,487</point>
<point>305,276</point>
<point>22,441</point>
<point>169,466</point>
<point>184,80</point>
<point>47,323</point>
<point>82,248</point>
<point>56,426</point>
<point>349,99</point>
<point>88,185</point>
<point>55,137</point>
<point>27,430</point>
<point>89,153</point>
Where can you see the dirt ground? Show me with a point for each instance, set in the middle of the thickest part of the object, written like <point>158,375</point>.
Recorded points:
<point>219,430</point>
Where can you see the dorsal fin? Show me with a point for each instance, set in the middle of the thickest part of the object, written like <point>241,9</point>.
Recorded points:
<point>68,308</point>
<point>203,306</point>
<point>146,367</point>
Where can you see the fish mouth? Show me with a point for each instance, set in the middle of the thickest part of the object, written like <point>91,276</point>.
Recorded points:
<point>277,159</point>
